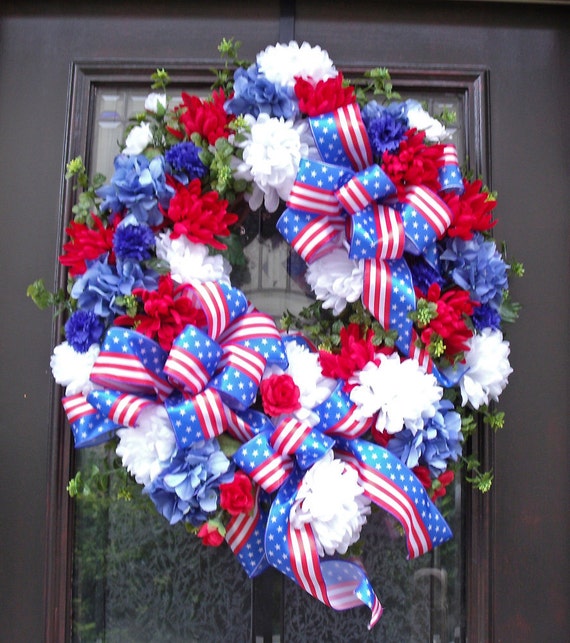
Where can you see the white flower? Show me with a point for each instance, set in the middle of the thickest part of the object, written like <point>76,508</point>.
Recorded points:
<point>423,122</point>
<point>72,369</point>
<point>153,100</point>
<point>191,262</point>
<point>147,448</point>
<point>331,500</point>
<point>336,279</point>
<point>272,150</point>
<point>400,391</point>
<point>282,63</point>
<point>138,139</point>
<point>488,368</point>
<point>305,369</point>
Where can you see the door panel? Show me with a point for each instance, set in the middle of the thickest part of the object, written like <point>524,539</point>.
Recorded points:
<point>525,50</point>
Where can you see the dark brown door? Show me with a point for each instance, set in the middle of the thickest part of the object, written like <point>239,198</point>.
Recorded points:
<point>523,47</point>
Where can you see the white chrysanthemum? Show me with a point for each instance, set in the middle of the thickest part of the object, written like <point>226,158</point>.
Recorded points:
<point>138,139</point>
<point>488,368</point>
<point>153,100</point>
<point>305,369</point>
<point>400,392</point>
<point>420,119</point>
<point>336,279</point>
<point>282,63</point>
<point>190,261</point>
<point>332,501</point>
<point>272,151</point>
<point>72,369</point>
<point>147,448</point>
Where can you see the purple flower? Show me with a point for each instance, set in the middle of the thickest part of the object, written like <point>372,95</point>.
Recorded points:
<point>476,266</point>
<point>132,241</point>
<point>83,329</point>
<point>139,186</point>
<point>254,94</point>
<point>184,159</point>
<point>434,445</point>
<point>188,489</point>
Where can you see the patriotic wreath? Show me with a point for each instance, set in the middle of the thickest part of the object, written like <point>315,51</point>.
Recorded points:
<point>280,441</point>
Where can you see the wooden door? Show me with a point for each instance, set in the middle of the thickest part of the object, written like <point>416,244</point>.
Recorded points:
<point>521,48</point>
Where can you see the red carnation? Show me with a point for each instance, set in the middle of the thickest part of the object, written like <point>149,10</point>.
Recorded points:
<point>236,497</point>
<point>356,350</point>
<point>279,394</point>
<point>471,210</point>
<point>205,117</point>
<point>453,307</point>
<point>325,96</point>
<point>210,535</point>
<point>167,311</point>
<point>199,217</point>
<point>86,244</point>
<point>414,163</point>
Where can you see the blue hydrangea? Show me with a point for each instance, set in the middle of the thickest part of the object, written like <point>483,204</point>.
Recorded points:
<point>82,329</point>
<point>139,187</point>
<point>133,241</point>
<point>98,288</point>
<point>188,489</point>
<point>486,316</point>
<point>255,95</point>
<point>433,446</point>
<point>184,160</point>
<point>478,267</point>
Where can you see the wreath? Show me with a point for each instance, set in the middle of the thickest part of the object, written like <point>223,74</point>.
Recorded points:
<point>281,439</point>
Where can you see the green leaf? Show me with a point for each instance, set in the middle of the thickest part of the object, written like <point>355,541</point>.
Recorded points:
<point>39,294</point>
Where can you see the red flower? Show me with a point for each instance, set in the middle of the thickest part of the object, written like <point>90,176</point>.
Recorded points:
<point>413,164</point>
<point>439,486</point>
<point>199,217</point>
<point>279,394</point>
<point>356,350</point>
<point>167,311</point>
<point>210,535</point>
<point>450,324</point>
<point>205,117</point>
<point>381,437</point>
<point>325,96</point>
<point>471,210</point>
<point>86,244</point>
<point>236,497</point>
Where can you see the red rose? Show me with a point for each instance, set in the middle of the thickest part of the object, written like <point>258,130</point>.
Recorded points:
<point>279,394</point>
<point>236,497</point>
<point>210,535</point>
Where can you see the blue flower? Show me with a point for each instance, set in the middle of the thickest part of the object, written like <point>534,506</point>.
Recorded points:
<point>486,316</point>
<point>188,489</point>
<point>386,132</point>
<point>477,266</point>
<point>139,186</point>
<point>100,286</point>
<point>184,159</point>
<point>423,275</point>
<point>133,241</point>
<point>433,446</point>
<point>255,95</point>
<point>82,329</point>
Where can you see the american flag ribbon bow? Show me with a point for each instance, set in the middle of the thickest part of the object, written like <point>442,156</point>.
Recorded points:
<point>346,193</point>
<point>208,378</point>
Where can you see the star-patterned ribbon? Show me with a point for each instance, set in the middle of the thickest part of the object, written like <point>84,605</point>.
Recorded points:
<point>207,379</point>
<point>347,191</point>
